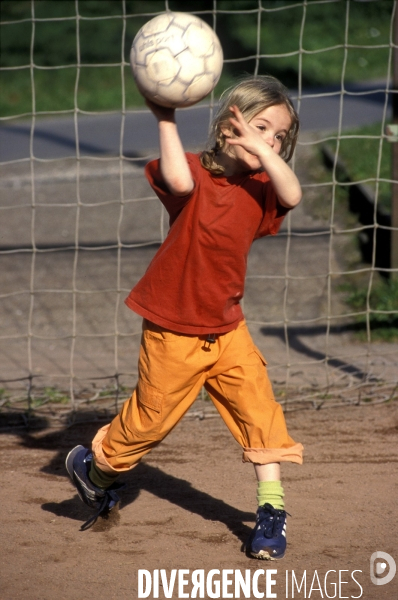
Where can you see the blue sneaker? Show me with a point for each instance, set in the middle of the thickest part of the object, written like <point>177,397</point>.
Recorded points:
<point>268,538</point>
<point>78,464</point>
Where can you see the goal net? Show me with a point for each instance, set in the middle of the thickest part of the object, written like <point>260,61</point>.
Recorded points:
<point>79,223</point>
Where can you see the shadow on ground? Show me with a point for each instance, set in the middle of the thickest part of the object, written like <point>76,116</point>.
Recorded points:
<point>295,335</point>
<point>144,477</point>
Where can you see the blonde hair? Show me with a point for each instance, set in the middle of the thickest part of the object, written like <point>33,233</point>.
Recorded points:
<point>251,95</point>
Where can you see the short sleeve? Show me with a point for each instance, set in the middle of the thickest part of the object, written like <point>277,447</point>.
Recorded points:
<point>173,204</point>
<point>274,213</point>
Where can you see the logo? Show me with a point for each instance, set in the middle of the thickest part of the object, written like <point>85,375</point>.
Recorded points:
<point>382,568</point>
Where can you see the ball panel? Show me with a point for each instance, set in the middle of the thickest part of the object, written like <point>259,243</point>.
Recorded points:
<point>200,87</point>
<point>144,84</point>
<point>184,20</point>
<point>156,25</point>
<point>214,64</point>
<point>173,94</point>
<point>199,40</point>
<point>190,66</point>
<point>161,66</point>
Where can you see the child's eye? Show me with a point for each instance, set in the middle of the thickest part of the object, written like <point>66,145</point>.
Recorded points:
<point>261,127</point>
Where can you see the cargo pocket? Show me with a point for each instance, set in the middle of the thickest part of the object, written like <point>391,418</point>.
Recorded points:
<point>149,403</point>
<point>261,357</point>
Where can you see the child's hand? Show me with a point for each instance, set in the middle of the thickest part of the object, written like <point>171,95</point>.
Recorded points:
<point>161,113</point>
<point>258,145</point>
<point>245,135</point>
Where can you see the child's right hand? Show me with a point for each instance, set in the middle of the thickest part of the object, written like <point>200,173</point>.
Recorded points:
<point>162,113</point>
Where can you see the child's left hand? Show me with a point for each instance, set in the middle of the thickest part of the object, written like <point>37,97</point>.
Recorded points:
<point>246,135</point>
<point>263,139</point>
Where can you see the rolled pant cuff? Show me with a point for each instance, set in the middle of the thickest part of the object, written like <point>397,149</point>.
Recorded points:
<point>265,456</point>
<point>98,452</point>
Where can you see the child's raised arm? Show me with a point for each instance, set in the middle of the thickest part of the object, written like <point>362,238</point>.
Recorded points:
<point>173,163</point>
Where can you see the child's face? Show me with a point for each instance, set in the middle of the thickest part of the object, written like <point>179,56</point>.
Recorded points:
<point>271,126</point>
<point>274,123</point>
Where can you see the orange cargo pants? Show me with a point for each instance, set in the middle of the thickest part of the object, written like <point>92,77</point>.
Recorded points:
<point>173,368</point>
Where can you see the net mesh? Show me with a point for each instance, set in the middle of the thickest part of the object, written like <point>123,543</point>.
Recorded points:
<point>80,224</point>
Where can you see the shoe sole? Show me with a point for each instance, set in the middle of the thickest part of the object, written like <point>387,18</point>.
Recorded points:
<point>265,555</point>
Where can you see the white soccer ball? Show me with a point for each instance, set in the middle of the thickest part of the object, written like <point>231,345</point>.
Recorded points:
<point>176,59</point>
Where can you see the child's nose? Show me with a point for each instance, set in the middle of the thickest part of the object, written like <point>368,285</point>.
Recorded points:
<point>270,140</point>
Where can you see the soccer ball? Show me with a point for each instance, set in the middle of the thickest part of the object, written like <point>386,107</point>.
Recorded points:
<point>176,59</point>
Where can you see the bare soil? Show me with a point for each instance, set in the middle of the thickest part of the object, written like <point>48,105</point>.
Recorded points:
<point>191,504</point>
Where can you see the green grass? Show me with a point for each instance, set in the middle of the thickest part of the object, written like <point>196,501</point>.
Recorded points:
<point>54,90</point>
<point>4,396</point>
<point>49,395</point>
<point>324,29</point>
<point>360,154</point>
<point>367,157</point>
<point>383,299</point>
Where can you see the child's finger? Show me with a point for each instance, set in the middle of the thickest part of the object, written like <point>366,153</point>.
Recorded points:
<point>237,113</point>
<point>239,123</point>
<point>235,123</point>
<point>233,141</point>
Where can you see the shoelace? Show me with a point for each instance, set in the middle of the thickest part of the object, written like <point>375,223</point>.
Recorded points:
<point>273,521</point>
<point>110,499</point>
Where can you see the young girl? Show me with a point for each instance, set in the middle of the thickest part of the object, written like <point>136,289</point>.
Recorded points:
<point>194,333</point>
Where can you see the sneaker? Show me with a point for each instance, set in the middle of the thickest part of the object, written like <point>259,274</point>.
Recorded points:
<point>78,464</point>
<point>268,538</point>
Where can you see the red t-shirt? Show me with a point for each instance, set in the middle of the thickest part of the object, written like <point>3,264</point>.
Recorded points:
<point>196,279</point>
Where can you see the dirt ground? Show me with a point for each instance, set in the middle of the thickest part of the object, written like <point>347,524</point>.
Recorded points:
<point>191,504</point>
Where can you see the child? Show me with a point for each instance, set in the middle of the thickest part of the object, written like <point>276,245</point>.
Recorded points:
<point>194,333</point>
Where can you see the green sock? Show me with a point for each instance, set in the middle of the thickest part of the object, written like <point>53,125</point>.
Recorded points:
<point>270,492</point>
<point>100,478</point>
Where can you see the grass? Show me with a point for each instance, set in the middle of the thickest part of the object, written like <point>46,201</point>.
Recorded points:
<point>98,89</point>
<point>4,397</point>
<point>367,157</point>
<point>49,395</point>
<point>383,309</point>
<point>323,29</point>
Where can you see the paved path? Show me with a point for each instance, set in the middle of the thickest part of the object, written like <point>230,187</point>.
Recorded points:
<point>101,134</point>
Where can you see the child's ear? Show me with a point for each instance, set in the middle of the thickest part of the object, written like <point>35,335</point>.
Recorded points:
<point>226,131</point>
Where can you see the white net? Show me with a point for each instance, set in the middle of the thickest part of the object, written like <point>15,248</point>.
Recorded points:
<point>79,223</point>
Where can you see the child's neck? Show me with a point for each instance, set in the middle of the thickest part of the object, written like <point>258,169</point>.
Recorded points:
<point>230,165</point>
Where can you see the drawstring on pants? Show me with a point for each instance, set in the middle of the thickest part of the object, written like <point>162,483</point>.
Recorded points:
<point>211,339</point>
